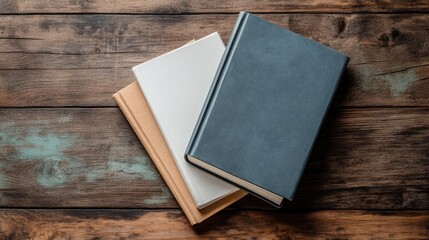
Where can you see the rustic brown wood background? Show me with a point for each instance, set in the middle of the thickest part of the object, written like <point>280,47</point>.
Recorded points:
<point>71,166</point>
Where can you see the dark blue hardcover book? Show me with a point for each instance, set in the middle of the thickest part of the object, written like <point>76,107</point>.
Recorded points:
<point>263,113</point>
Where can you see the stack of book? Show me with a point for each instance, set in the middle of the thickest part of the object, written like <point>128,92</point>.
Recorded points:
<point>220,122</point>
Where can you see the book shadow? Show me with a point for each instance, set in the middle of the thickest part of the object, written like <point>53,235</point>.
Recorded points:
<point>277,223</point>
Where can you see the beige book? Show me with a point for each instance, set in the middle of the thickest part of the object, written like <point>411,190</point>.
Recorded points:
<point>136,109</point>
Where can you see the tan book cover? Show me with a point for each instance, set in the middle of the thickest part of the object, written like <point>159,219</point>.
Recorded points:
<point>133,104</point>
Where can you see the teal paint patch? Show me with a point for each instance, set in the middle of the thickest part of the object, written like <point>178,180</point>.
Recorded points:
<point>3,152</point>
<point>37,145</point>
<point>396,82</point>
<point>64,119</point>
<point>399,82</point>
<point>52,172</point>
<point>159,198</point>
<point>3,182</point>
<point>52,166</point>
<point>47,149</point>
<point>95,173</point>
<point>366,78</point>
<point>137,167</point>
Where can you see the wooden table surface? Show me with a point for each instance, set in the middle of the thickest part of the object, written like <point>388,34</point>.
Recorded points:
<point>71,166</point>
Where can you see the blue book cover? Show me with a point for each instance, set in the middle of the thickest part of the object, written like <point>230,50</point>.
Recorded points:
<point>265,108</point>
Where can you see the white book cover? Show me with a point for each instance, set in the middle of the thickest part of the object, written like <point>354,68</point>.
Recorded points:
<point>176,85</point>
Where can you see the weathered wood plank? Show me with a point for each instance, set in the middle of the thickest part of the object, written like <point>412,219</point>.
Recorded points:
<point>364,159</point>
<point>65,158</point>
<point>81,60</point>
<point>194,6</point>
<point>171,224</point>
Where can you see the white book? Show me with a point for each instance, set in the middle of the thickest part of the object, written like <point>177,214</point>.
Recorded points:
<point>175,86</point>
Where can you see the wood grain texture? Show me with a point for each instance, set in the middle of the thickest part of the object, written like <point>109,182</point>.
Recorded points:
<point>75,157</point>
<point>141,224</point>
<point>194,6</point>
<point>372,152</point>
<point>66,157</point>
<point>81,60</point>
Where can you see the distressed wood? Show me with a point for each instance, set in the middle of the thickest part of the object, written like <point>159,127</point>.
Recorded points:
<point>194,6</point>
<point>81,60</point>
<point>75,157</point>
<point>372,152</point>
<point>171,224</point>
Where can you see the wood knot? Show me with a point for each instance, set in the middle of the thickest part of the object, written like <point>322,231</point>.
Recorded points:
<point>395,37</point>
<point>340,23</point>
<point>45,26</point>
